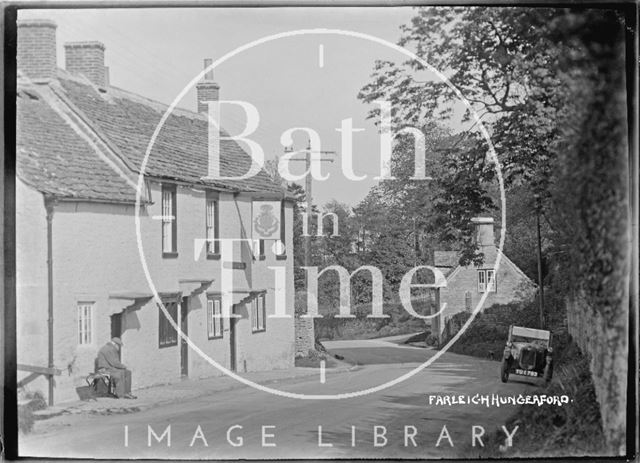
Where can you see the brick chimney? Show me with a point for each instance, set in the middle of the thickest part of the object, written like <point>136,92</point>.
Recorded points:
<point>206,89</point>
<point>484,231</point>
<point>37,48</point>
<point>87,58</point>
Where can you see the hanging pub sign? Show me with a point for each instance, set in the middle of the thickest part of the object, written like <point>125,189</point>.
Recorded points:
<point>265,220</point>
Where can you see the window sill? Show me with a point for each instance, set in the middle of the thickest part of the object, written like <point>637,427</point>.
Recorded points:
<point>213,256</point>
<point>263,330</point>
<point>260,257</point>
<point>215,337</point>
<point>169,255</point>
<point>281,257</point>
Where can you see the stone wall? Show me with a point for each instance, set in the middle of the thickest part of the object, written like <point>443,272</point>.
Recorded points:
<point>607,347</point>
<point>305,337</point>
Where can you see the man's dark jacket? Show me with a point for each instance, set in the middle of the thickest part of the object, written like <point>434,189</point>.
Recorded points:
<point>108,357</point>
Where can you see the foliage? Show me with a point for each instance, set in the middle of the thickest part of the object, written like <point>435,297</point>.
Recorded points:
<point>548,85</point>
<point>591,224</point>
<point>507,64</point>
<point>489,330</point>
<point>362,327</point>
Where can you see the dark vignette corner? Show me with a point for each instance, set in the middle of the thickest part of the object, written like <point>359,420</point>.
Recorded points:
<point>8,319</point>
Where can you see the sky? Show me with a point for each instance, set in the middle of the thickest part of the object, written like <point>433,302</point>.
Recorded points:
<point>309,80</point>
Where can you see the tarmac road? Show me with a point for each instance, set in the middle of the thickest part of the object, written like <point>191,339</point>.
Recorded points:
<point>248,423</point>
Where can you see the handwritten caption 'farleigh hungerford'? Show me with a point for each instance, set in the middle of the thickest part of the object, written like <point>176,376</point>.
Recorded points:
<point>497,400</point>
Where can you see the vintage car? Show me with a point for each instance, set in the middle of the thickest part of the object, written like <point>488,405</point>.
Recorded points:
<point>527,353</point>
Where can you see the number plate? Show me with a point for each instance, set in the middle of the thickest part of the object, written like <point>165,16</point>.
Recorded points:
<point>525,372</point>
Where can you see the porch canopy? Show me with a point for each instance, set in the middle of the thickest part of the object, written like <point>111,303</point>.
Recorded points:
<point>120,301</point>
<point>128,300</point>
<point>194,286</point>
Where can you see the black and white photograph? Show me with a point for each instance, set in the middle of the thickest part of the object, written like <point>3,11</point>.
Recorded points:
<point>320,231</point>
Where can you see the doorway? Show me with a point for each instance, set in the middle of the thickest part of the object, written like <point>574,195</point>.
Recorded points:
<point>116,330</point>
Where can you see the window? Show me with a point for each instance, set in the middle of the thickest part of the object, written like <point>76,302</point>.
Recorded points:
<point>214,318</point>
<point>85,323</point>
<point>486,281</point>
<point>169,221</point>
<point>491,281</point>
<point>213,233</point>
<point>481,281</point>
<point>258,313</point>
<point>467,300</point>
<point>167,334</point>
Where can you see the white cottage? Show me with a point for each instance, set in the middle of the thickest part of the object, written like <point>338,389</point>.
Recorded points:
<point>80,276</point>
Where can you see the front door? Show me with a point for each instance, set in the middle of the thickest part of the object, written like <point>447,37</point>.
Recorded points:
<point>116,329</point>
<point>184,347</point>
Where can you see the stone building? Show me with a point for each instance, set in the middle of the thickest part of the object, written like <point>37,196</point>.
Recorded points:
<point>467,284</point>
<point>80,275</point>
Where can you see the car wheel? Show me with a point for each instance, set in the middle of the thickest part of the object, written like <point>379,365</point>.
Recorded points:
<point>504,371</point>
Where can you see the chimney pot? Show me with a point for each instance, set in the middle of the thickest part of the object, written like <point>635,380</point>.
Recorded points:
<point>87,58</point>
<point>36,53</point>
<point>206,89</point>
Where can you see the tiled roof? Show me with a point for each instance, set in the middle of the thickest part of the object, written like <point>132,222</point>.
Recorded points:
<point>52,158</point>
<point>180,150</point>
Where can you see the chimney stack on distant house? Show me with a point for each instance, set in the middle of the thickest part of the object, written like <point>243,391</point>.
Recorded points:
<point>207,89</point>
<point>87,58</point>
<point>484,231</point>
<point>37,48</point>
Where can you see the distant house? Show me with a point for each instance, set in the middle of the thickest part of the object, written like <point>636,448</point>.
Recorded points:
<point>80,280</point>
<point>467,284</point>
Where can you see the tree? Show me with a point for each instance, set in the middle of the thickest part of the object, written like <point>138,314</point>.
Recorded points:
<point>504,61</point>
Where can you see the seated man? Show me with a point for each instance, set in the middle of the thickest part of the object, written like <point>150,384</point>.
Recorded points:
<point>109,359</point>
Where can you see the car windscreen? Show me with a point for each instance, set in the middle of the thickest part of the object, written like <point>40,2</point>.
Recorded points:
<point>538,342</point>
